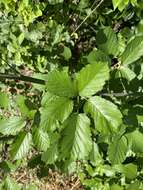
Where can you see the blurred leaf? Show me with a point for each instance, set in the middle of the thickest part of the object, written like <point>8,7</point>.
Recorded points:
<point>134,186</point>
<point>4,100</point>
<point>133,51</point>
<point>10,184</point>
<point>136,139</point>
<point>66,53</point>
<point>26,110</point>
<point>130,171</point>
<point>53,2</point>
<point>116,187</point>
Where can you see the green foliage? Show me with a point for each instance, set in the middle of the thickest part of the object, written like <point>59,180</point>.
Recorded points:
<point>77,145</point>
<point>21,146</point>
<point>92,78</point>
<point>59,83</point>
<point>118,149</point>
<point>106,115</point>
<point>86,117</point>
<point>133,51</point>
<point>11,126</point>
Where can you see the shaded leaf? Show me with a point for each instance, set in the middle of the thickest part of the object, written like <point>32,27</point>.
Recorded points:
<point>53,2</point>
<point>10,184</point>
<point>66,53</point>
<point>130,171</point>
<point>125,72</point>
<point>97,56</point>
<point>118,149</point>
<point>133,51</point>
<point>51,154</point>
<point>136,139</point>
<point>107,41</point>
<point>41,139</point>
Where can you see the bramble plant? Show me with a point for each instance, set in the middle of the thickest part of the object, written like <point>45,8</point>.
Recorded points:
<point>72,90</point>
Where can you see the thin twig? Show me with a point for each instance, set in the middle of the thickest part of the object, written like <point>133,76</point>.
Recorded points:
<point>22,78</point>
<point>123,94</point>
<point>87,17</point>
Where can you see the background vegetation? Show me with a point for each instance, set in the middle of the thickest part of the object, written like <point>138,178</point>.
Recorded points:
<point>71,96</point>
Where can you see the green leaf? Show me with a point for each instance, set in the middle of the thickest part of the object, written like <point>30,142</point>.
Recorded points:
<point>12,125</point>
<point>130,171</point>
<point>66,53</point>
<point>4,100</point>
<point>133,51</point>
<point>41,139</point>
<point>116,187</point>
<point>51,154</point>
<point>21,146</point>
<point>48,124</point>
<point>107,41</point>
<point>10,184</point>
<point>59,83</point>
<point>59,108</point>
<point>116,3</point>
<point>125,72</point>
<point>8,166</point>
<point>94,156</point>
<point>136,139</point>
<point>134,186</point>
<point>97,56</point>
<point>91,78</point>
<point>106,115</point>
<point>76,140</point>
<point>118,149</point>
<point>121,4</point>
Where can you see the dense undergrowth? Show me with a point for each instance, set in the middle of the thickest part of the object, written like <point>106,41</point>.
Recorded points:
<point>71,97</point>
